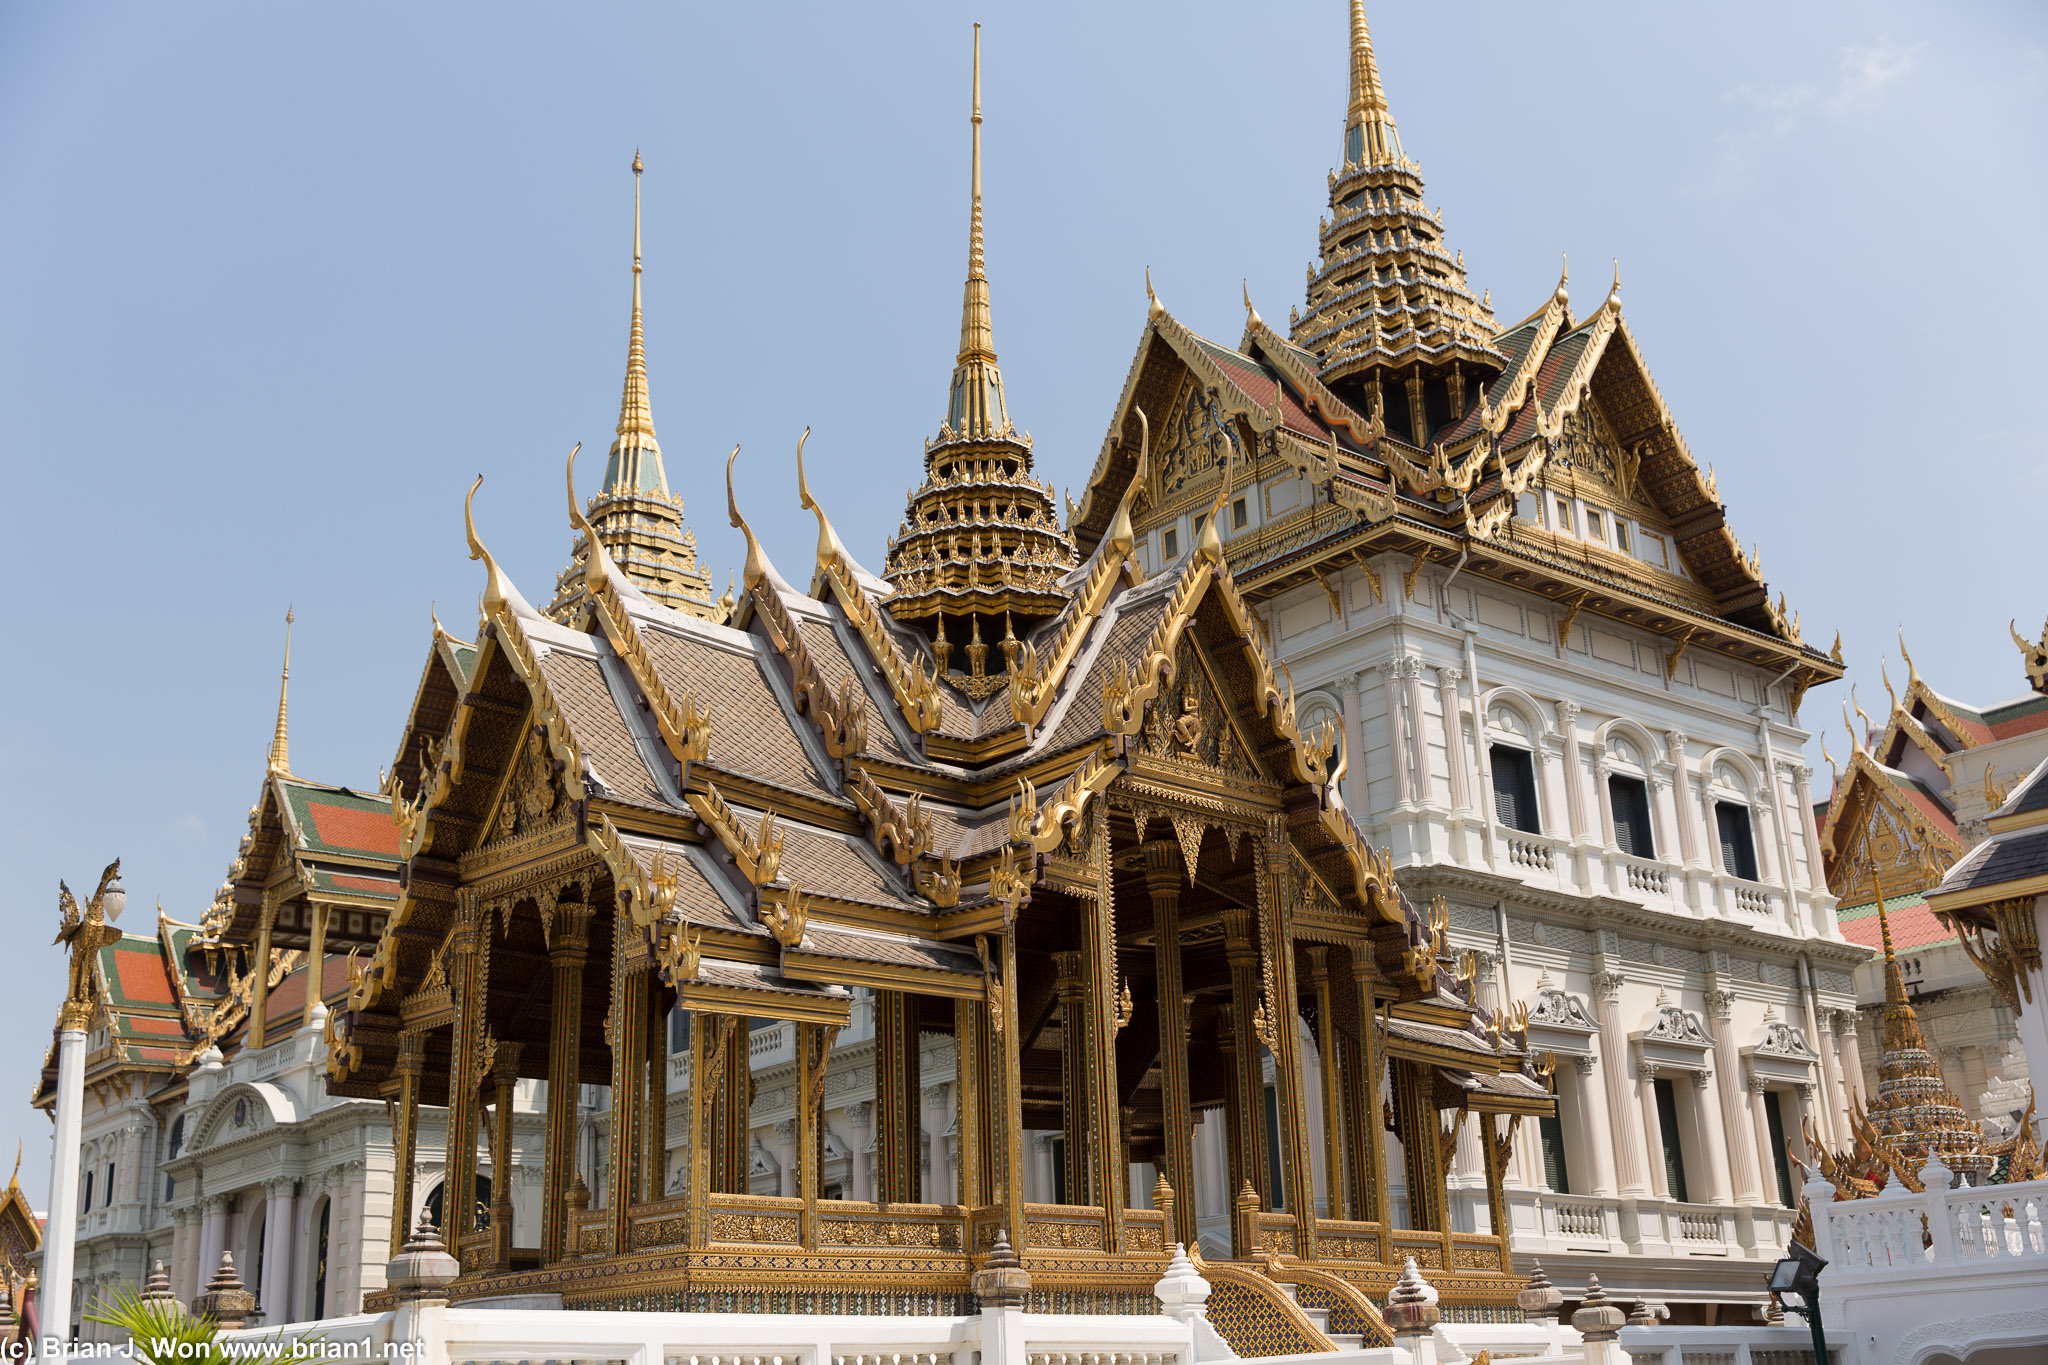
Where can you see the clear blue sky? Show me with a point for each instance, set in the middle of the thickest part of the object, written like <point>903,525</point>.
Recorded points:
<point>277,281</point>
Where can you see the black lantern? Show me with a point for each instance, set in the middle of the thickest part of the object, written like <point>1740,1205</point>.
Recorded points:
<point>1796,1282</point>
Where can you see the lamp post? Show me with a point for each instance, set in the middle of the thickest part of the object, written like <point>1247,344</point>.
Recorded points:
<point>1796,1282</point>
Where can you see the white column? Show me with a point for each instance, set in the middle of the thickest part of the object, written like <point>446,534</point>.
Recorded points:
<point>1601,772</point>
<point>213,1240</point>
<point>1596,1129</point>
<point>1354,745</point>
<point>1397,737</point>
<point>1454,735</point>
<point>1631,1158</point>
<point>860,1118</point>
<point>1574,788</point>
<point>274,1294</point>
<point>1732,1132</point>
<point>1418,731</point>
<point>1713,1128</point>
<point>60,1243</point>
<point>1834,1097</point>
<point>1653,1128</point>
<point>1767,1178</point>
<point>1850,1050</point>
<point>785,1152</point>
<point>1682,805</point>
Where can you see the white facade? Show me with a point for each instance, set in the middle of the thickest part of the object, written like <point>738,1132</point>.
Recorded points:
<point>1713,977</point>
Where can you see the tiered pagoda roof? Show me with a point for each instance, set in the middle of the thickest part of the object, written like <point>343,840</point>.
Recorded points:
<point>978,558</point>
<point>634,514</point>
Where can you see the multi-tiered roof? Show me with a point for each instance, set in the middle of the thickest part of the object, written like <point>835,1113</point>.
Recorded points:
<point>634,514</point>
<point>978,559</point>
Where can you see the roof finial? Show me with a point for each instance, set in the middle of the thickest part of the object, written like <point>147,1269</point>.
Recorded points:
<point>976,406</point>
<point>1251,314</point>
<point>629,469</point>
<point>755,570</point>
<point>280,743</point>
<point>1614,293</point>
<point>1369,136</point>
<point>1153,307</point>
<point>1564,277</point>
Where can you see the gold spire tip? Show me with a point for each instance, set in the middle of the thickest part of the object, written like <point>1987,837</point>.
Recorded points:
<point>280,741</point>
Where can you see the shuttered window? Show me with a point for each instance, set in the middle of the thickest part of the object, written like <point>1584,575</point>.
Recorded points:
<point>1674,1151</point>
<point>1738,846</point>
<point>1551,1131</point>
<point>1631,802</point>
<point>1514,789</point>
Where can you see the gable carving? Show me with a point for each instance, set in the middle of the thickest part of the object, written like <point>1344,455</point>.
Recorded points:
<point>1186,722</point>
<point>534,799</point>
<point>1888,842</point>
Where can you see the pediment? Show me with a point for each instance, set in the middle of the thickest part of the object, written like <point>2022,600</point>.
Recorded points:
<point>1874,831</point>
<point>242,1111</point>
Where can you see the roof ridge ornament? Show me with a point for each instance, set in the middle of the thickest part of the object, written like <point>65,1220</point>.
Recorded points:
<point>756,572</point>
<point>280,741</point>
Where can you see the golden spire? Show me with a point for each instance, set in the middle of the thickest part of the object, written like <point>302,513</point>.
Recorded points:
<point>635,464</point>
<point>976,408</point>
<point>1369,136</point>
<point>280,743</point>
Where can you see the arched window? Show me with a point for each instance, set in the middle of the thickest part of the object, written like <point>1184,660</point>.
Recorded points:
<point>320,1249</point>
<point>85,1200</point>
<point>435,1206</point>
<point>1729,793</point>
<point>1628,797</point>
<point>1511,757</point>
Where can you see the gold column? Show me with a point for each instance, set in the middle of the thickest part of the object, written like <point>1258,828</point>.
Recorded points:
<point>259,997</point>
<point>896,1097</point>
<point>1497,1149</point>
<point>1328,1066</point>
<point>710,1036</point>
<point>1110,1169</point>
<point>810,1075</point>
<point>405,1137</point>
<point>505,1075</point>
<point>970,1095</point>
<point>468,971</point>
<point>1365,1067</point>
<point>315,964</point>
<point>1422,1145</point>
<point>1012,1080</point>
<point>1071,987</point>
<point>626,1032</point>
<point>1163,864</point>
<point>1277,931</point>
<point>568,950</point>
<point>1248,1086</point>
<point>654,1161</point>
<point>736,1109</point>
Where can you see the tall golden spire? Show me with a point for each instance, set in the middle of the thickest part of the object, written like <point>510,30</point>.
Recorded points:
<point>280,742</point>
<point>976,409</point>
<point>635,464</point>
<point>1369,136</point>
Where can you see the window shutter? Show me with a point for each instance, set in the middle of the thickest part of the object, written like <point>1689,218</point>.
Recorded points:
<point>1738,845</point>
<point>1514,789</point>
<point>1674,1151</point>
<point>1630,800</point>
<point>1554,1172</point>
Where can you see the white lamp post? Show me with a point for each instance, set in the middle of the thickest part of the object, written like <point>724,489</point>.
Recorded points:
<point>84,932</point>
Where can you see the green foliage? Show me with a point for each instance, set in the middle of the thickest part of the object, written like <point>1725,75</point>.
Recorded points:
<point>162,1331</point>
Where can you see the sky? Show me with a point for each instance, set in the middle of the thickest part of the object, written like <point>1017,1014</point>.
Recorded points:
<point>276,282</point>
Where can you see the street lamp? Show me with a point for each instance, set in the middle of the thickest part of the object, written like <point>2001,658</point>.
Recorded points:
<point>1796,1282</point>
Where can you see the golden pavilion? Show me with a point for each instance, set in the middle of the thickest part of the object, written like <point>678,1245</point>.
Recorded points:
<point>1030,798</point>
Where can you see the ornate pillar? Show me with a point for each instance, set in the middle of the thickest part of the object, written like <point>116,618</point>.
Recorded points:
<point>1366,1066</point>
<point>1653,1127</point>
<point>1602,771</point>
<point>1397,731</point>
<point>654,1124</point>
<point>1422,1144</point>
<point>711,1035</point>
<point>1713,1126</point>
<point>1849,1046</point>
<point>1468,1162</point>
<point>468,971</point>
<point>736,1110</point>
<point>1836,1098</point>
<point>1004,1019</point>
<point>1283,1012</point>
<point>1682,803</point>
<point>1163,871</point>
<point>896,1087</point>
<point>1109,1170</point>
<point>259,999</point>
<point>1328,1067</point>
<point>213,1237</point>
<point>1731,1131</point>
<point>1574,778</point>
<point>274,1293</point>
<point>405,1136</point>
<point>1632,1158</point>
<point>1802,777</point>
<point>1237,1172</point>
<point>504,1080</point>
<point>813,1049</point>
<point>1454,737</point>
<point>1596,1128</point>
<point>626,1033</point>
<point>1418,740</point>
<point>315,960</point>
<point>1248,1086</point>
<point>1070,986</point>
<point>970,1083</point>
<point>1354,742</point>
<point>568,926</point>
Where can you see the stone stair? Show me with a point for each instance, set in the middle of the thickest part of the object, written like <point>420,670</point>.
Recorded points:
<point>1321,1318</point>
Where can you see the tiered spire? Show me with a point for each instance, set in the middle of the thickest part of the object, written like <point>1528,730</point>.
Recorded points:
<point>634,514</point>
<point>280,739</point>
<point>980,548</point>
<point>1389,316</point>
<point>1916,1115</point>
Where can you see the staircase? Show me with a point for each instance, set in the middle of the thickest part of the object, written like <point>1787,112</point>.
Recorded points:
<point>1321,1318</point>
